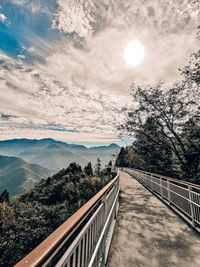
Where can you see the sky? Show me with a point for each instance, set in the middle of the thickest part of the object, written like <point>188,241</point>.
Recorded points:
<point>62,70</point>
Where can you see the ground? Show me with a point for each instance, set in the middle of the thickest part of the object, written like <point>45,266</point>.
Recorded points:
<point>148,233</point>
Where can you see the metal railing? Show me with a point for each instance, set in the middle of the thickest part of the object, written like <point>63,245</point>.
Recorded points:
<point>182,196</point>
<point>84,239</point>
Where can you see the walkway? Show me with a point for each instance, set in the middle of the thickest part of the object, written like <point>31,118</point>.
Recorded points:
<point>148,234</point>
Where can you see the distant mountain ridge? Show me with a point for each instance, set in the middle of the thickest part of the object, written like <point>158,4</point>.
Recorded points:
<point>18,176</point>
<point>55,155</point>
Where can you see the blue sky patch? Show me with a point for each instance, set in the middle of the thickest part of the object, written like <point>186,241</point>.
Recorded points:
<point>61,130</point>
<point>24,24</point>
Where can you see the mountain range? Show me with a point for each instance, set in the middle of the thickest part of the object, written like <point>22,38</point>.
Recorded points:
<point>55,155</point>
<point>25,161</point>
<point>18,176</point>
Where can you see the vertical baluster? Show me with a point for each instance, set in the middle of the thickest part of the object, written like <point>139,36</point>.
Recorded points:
<point>191,205</point>
<point>74,259</point>
<point>94,232</point>
<point>68,262</point>
<point>97,226</point>
<point>79,254</point>
<point>161,191</point>
<point>89,243</point>
<point>83,250</point>
<point>194,206</point>
<point>86,248</point>
<point>168,192</point>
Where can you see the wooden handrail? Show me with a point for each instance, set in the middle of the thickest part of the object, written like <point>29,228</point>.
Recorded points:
<point>46,247</point>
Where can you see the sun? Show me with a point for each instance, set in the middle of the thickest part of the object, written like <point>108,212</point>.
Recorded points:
<point>134,53</point>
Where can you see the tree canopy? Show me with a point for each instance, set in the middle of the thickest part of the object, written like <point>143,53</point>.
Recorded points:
<point>98,167</point>
<point>164,120</point>
<point>88,169</point>
<point>29,219</point>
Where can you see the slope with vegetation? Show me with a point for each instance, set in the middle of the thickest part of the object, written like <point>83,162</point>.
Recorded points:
<point>18,176</point>
<point>29,219</point>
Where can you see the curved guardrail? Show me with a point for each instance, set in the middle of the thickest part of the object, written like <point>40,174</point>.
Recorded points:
<point>84,239</point>
<point>183,197</point>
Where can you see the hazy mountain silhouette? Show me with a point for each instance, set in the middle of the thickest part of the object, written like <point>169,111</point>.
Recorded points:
<point>56,155</point>
<point>17,176</point>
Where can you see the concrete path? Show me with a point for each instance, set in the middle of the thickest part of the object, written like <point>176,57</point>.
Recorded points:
<point>148,234</point>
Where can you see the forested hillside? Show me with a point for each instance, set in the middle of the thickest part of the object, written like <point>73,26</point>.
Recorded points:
<point>29,219</point>
<point>18,176</point>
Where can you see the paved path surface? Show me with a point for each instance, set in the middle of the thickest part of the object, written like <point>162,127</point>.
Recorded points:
<point>148,234</point>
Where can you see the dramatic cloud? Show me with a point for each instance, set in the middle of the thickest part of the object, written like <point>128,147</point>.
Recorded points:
<point>69,79</point>
<point>39,99</point>
<point>74,16</point>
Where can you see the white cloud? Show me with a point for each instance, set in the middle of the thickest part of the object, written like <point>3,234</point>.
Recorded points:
<point>40,98</point>
<point>34,6</point>
<point>83,88</point>
<point>3,18</point>
<point>74,17</point>
<point>85,17</point>
<point>19,2</point>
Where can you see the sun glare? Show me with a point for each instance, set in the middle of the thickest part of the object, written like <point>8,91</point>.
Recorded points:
<point>134,53</point>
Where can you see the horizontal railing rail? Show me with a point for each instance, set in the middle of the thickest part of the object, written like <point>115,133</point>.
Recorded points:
<point>84,239</point>
<point>183,197</point>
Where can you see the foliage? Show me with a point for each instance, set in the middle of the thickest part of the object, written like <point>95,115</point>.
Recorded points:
<point>110,163</point>
<point>128,158</point>
<point>28,220</point>
<point>165,123</point>
<point>120,161</point>
<point>192,70</point>
<point>98,167</point>
<point>191,138</point>
<point>88,169</point>
<point>153,148</point>
<point>4,197</point>
<point>108,169</point>
<point>74,168</point>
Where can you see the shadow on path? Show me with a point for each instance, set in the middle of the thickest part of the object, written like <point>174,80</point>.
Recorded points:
<point>148,233</point>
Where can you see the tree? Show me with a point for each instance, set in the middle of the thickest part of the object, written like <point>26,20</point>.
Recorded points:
<point>120,161</point>
<point>154,156</point>
<point>171,108</point>
<point>110,163</point>
<point>4,197</point>
<point>98,167</point>
<point>109,168</point>
<point>88,169</point>
<point>192,70</point>
<point>30,218</point>
<point>191,137</point>
<point>74,168</point>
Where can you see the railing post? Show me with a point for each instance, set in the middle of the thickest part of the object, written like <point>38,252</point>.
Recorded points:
<point>168,192</point>
<point>191,205</point>
<point>151,182</point>
<point>105,208</point>
<point>161,191</point>
<point>137,175</point>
